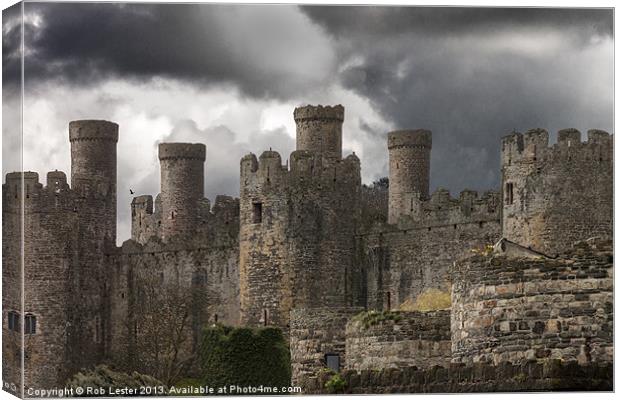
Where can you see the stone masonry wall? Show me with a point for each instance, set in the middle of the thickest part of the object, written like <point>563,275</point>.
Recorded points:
<point>515,309</point>
<point>297,225</point>
<point>400,339</point>
<point>50,257</point>
<point>555,196</point>
<point>314,333</point>
<point>400,263</point>
<point>531,376</point>
<point>198,280</point>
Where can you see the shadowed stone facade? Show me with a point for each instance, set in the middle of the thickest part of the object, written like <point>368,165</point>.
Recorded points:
<point>307,248</point>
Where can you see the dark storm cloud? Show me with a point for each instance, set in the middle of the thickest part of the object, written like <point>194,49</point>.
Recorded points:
<point>206,44</point>
<point>443,21</point>
<point>473,75</point>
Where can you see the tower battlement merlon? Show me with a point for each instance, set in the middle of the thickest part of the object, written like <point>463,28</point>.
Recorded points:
<point>319,130</point>
<point>422,138</point>
<point>599,136</point>
<point>92,129</point>
<point>189,151</point>
<point>144,202</point>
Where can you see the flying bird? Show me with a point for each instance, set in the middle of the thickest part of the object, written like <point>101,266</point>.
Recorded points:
<point>131,191</point>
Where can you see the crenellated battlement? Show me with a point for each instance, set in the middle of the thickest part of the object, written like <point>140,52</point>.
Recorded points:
<point>441,209</point>
<point>533,146</point>
<point>187,151</point>
<point>90,129</point>
<point>410,138</point>
<point>319,112</point>
<point>304,166</point>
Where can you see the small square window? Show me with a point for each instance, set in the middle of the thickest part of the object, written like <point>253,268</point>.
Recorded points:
<point>332,360</point>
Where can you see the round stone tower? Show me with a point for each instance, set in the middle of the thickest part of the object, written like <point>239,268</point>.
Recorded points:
<point>93,171</point>
<point>319,129</point>
<point>182,186</point>
<point>410,156</point>
<point>93,179</point>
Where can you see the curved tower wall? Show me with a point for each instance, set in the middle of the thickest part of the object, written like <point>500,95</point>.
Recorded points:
<point>319,129</point>
<point>410,155</point>
<point>513,309</point>
<point>93,180</point>
<point>182,186</point>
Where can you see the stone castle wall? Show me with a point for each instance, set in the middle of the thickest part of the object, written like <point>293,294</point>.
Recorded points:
<point>314,333</point>
<point>531,376</point>
<point>400,262</point>
<point>398,340</point>
<point>189,284</point>
<point>511,309</point>
<point>50,258</point>
<point>555,196</point>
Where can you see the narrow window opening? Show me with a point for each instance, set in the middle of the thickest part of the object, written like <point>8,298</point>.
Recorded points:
<point>509,193</point>
<point>30,324</point>
<point>388,300</point>
<point>257,213</point>
<point>172,215</point>
<point>265,317</point>
<point>481,224</point>
<point>454,226</point>
<point>215,318</point>
<point>13,321</point>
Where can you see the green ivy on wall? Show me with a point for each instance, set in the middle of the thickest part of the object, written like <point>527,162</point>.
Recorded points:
<point>245,357</point>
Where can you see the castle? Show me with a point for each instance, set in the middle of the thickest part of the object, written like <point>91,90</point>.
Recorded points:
<point>298,250</point>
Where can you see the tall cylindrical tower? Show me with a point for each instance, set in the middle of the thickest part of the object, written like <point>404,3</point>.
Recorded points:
<point>319,129</point>
<point>182,186</point>
<point>93,179</point>
<point>410,156</point>
<point>93,171</point>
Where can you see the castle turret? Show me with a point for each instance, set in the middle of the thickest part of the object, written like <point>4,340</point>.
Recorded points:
<point>410,155</point>
<point>554,196</point>
<point>93,173</point>
<point>319,129</point>
<point>93,180</point>
<point>182,186</point>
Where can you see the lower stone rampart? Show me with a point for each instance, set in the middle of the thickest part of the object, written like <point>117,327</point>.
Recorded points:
<point>512,309</point>
<point>314,333</point>
<point>398,339</point>
<point>532,376</point>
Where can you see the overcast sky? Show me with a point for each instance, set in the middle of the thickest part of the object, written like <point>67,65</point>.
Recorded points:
<point>230,76</point>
